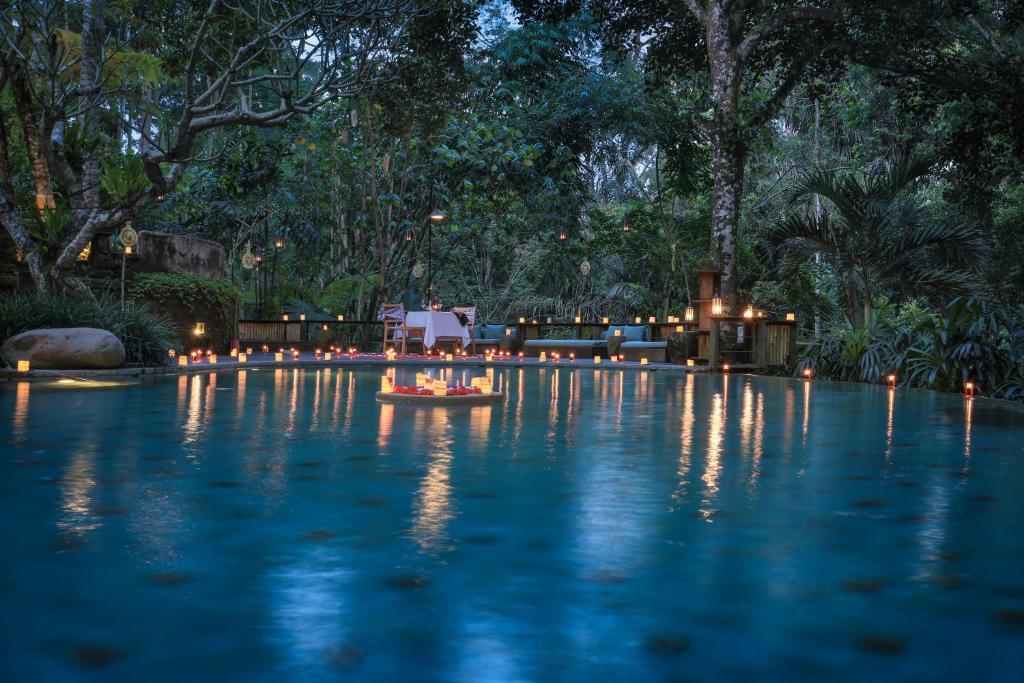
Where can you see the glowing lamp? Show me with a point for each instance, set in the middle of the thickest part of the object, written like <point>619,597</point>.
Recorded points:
<point>341,318</point>
<point>749,312</point>
<point>688,316</point>
<point>597,360</point>
<point>212,358</point>
<point>690,362</point>
<point>643,361</point>
<point>716,306</point>
<point>248,350</point>
<point>680,328</point>
<point>572,357</point>
<point>618,333</point>
<point>285,317</point>
<point>725,368</point>
<point>24,365</point>
<point>604,320</point>
<point>266,349</point>
<point>652,320</point>
<point>127,250</point>
<point>234,353</point>
<point>578,320</point>
<point>520,356</point>
<point>791,317</point>
<point>508,332</point>
<point>242,358</point>
<point>279,243</point>
<point>200,329</point>
<point>522,321</point>
<point>440,387</point>
<point>171,353</point>
<point>807,373</point>
<point>549,320</point>
<point>385,385</point>
<point>295,355</point>
<point>449,357</point>
<point>622,358</point>
<point>533,322</point>
<point>278,356</point>
<point>328,355</point>
<point>969,389</point>
<point>324,327</point>
<point>543,357</point>
<point>182,360</point>
<point>637,320</point>
<point>302,316</point>
<point>891,381</point>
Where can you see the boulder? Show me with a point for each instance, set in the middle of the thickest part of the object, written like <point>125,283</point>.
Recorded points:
<point>65,348</point>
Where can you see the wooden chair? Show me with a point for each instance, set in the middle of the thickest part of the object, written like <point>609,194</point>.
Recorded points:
<point>393,317</point>
<point>470,313</point>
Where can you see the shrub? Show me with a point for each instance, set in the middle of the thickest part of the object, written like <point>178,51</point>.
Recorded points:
<point>146,335</point>
<point>188,299</point>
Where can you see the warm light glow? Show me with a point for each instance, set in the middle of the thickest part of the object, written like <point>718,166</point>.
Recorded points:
<point>637,320</point>
<point>689,314</point>
<point>716,306</point>
<point>652,320</point>
<point>891,380</point>
<point>279,243</point>
<point>440,387</point>
<point>437,215</point>
<point>212,358</point>
<point>618,333</point>
<point>200,329</point>
<point>572,356</point>
<point>171,353</point>
<point>386,387</point>
<point>622,358</point>
<point>278,356</point>
<point>248,350</point>
<point>23,365</point>
<point>234,353</point>
<point>579,320</point>
<point>341,318</point>
<point>969,389</point>
<point>680,328</point>
<point>182,360</point>
<point>284,317</point>
<point>807,373</point>
<point>302,316</point>
<point>643,361</point>
<point>690,362</point>
<point>791,317</point>
<point>725,368</point>
<point>597,360</point>
<point>520,355</point>
<point>522,321</point>
<point>749,312</point>
<point>508,332</point>
<point>242,358</point>
<point>328,356</point>
<point>127,250</point>
<point>266,348</point>
<point>542,357</point>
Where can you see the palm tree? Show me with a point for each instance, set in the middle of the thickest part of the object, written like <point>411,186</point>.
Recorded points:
<point>879,238</point>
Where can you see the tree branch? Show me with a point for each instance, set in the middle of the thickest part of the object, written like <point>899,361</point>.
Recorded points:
<point>784,17</point>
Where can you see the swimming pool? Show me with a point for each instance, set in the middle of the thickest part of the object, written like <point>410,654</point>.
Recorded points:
<point>601,525</point>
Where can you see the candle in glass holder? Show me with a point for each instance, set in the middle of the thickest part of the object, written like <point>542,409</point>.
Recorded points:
<point>242,358</point>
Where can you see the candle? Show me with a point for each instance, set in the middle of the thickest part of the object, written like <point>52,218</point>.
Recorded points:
<point>182,360</point>
<point>791,317</point>
<point>278,356</point>
<point>579,320</point>
<point>24,365</point>
<point>234,353</point>
<point>385,385</point>
<point>242,358</point>
<point>213,358</point>
<point>643,361</point>
<point>543,357</point>
<point>597,360</point>
<point>248,350</point>
<point>328,356</point>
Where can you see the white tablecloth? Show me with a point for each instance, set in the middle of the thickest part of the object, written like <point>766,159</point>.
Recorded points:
<point>437,324</point>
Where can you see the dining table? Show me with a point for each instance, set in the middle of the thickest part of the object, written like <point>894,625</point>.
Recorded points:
<point>437,325</point>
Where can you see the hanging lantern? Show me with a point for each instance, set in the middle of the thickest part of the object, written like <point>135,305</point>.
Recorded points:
<point>716,306</point>
<point>200,329</point>
<point>259,257</point>
<point>689,314</point>
<point>437,215</point>
<point>625,224</point>
<point>585,267</point>
<point>749,312</point>
<point>562,236</point>
<point>279,243</point>
<point>408,235</point>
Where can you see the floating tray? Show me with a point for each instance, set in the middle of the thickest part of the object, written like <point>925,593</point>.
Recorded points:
<point>466,400</point>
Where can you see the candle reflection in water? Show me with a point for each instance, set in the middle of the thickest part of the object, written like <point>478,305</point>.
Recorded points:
<point>193,419</point>
<point>716,436</point>
<point>807,410</point>
<point>685,438</point>
<point>433,507</point>
<point>385,422</point>
<point>350,400</point>
<point>77,486</point>
<point>21,408</point>
<point>889,424</point>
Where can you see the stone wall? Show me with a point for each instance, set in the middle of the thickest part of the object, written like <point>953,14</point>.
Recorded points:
<point>160,252</point>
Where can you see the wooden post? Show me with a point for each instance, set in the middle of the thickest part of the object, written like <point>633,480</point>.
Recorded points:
<point>793,329</point>
<point>713,344</point>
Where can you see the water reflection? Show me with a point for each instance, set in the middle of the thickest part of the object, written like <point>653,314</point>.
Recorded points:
<point>716,437</point>
<point>194,424</point>
<point>21,409</point>
<point>685,437</point>
<point>433,506</point>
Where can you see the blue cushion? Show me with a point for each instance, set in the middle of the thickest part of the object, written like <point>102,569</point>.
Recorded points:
<point>610,332</point>
<point>478,331</point>
<point>495,332</point>
<point>635,333</point>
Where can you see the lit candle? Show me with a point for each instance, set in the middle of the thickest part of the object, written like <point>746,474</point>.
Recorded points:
<point>749,312</point>
<point>24,365</point>
<point>604,320</point>
<point>213,358</point>
<point>579,320</point>
<point>279,356</point>
<point>807,373</point>
<point>242,358</point>
<point>328,356</point>
<point>182,360</point>
<point>643,361</point>
<point>969,389</point>
<point>597,360</point>
<point>234,353</point>
<point>248,350</point>
<point>725,368</point>
<point>716,306</point>
<point>791,317</point>
<point>543,357</point>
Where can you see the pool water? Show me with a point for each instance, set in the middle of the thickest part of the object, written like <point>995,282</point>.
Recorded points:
<point>280,525</point>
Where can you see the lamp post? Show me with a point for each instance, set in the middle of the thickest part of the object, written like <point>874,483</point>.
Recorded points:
<point>436,216</point>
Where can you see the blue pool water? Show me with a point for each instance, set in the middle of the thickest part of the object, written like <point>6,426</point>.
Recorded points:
<point>280,525</point>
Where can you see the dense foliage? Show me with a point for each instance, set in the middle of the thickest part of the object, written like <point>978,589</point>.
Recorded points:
<point>851,159</point>
<point>188,299</point>
<point>144,333</point>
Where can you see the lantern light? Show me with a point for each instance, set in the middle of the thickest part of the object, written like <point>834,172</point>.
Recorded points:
<point>302,316</point>
<point>408,235</point>
<point>680,328</point>
<point>643,361</point>
<point>266,349</point>
<point>790,317</point>
<point>622,358</point>
<point>279,356</point>
<point>688,316</point>
<point>690,362</point>
<point>725,368</point>
<point>341,318</point>
<point>234,353</point>
<point>437,215</point>
<point>891,380</point>
<point>243,358</point>
<point>652,320</point>
<point>200,329</point>
<point>572,357</point>
<point>969,389</point>
<point>212,358</point>
<point>716,306</point>
<point>625,225</point>
<point>604,320</point>
<point>171,353</point>
<point>24,365</point>
<point>279,243</point>
<point>562,236</point>
<point>328,356</point>
<point>127,250</point>
<point>182,360</point>
<point>284,317</point>
<point>749,312</point>
<point>637,320</point>
<point>579,319</point>
<point>597,360</point>
<point>807,373</point>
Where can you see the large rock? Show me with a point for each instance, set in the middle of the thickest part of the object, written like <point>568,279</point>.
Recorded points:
<point>65,348</point>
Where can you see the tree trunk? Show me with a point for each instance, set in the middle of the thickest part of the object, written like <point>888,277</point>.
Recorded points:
<point>727,148</point>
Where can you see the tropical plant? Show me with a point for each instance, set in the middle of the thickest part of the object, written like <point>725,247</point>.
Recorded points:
<point>878,239</point>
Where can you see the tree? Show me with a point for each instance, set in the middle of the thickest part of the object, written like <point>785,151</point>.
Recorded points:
<point>81,95</point>
<point>876,239</point>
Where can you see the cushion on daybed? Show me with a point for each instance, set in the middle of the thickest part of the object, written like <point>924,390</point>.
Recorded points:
<point>637,333</point>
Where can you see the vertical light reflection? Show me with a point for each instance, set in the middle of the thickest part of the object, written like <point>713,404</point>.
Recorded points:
<point>336,408</point>
<point>433,508</point>
<point>789,416</point>
<point>385,424</point>
<point>746,417</point>
<point>211,394</point>
<point>713,466</point>
<point>77,487</point>
<point>240,380</point>
<point>349,401</point>
<point>314,419</point>
<point>480,425</point>
<point>21,397</point>
<point>293,401</point>
<point>889,424</point>
<point>193,419</point>
<point>519,405</point>
<point>807,410</point>
<point>685,438</point>
<point>758,449</point>
<point>968,415</point>
<point>552,405</point>
<point>182,398</point>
